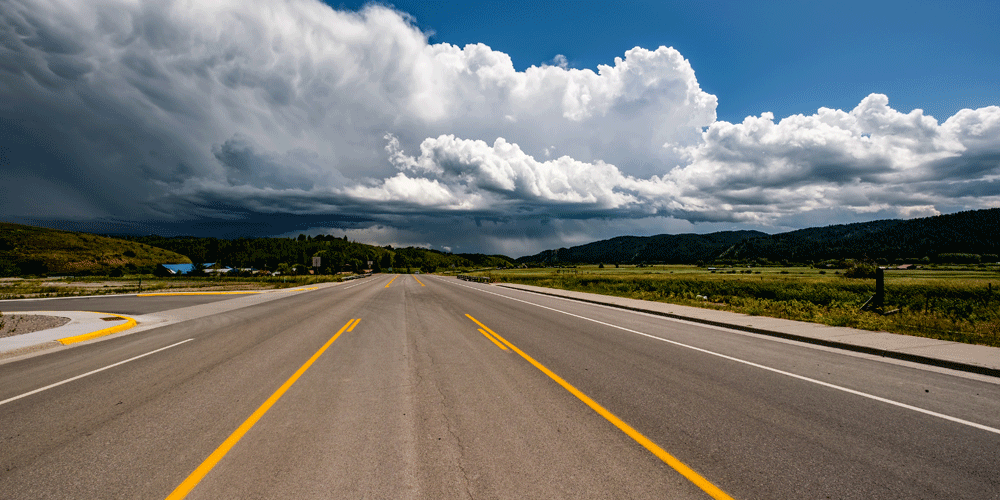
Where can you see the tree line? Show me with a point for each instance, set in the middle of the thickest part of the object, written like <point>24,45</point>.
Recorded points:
<point>295,255</point>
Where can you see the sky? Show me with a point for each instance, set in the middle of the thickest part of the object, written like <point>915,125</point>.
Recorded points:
<point>495,127</point>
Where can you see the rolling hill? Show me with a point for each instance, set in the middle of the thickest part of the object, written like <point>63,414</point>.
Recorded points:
<point>29,250</point>
<point>973,233</point>
<point>663,248</point>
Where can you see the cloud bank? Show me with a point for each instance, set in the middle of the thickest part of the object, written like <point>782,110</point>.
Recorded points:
<point>230,111</point>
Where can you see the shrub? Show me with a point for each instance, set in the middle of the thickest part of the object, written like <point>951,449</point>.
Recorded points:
<point>860,270</point>
<point>958,258</point>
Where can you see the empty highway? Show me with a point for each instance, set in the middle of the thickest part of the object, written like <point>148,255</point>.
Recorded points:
<point>427,387</point>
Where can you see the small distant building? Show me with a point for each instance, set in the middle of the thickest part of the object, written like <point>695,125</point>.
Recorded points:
<point>217,269</point>
<point>906,267</point>
<point>179,269</point>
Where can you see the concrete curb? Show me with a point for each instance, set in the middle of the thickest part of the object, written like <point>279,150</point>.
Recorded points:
<point>87,325</point>
<point>100,333</point>
<point>888,353</point>
<point>83,325</point>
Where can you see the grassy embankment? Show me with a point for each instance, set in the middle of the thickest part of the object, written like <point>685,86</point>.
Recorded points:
<point>948,304</point>
<point>74,287</point>
<point>29,250</point>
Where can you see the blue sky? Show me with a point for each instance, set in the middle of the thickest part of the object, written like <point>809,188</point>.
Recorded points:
<point>506,127</point>
<point>786,57</point>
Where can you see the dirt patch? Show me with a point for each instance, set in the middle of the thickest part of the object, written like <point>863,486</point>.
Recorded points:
<point>19,324</point>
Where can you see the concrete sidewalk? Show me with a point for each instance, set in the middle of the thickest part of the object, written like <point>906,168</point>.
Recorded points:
<point>965,357</point>
<point>85,325</point>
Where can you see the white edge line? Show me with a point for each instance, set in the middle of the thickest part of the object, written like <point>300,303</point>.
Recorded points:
<point>762,367</point>
<point>36,391</point>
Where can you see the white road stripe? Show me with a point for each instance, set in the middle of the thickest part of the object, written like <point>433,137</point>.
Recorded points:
<point>36,391</point>
<point>757,365</point>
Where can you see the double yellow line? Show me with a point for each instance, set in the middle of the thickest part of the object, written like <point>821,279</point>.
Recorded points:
<point>667,458</point>
<point>195,477</point>
<point>396,276</point>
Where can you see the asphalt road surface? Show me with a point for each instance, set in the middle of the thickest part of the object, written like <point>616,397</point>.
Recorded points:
<point>429,387</point>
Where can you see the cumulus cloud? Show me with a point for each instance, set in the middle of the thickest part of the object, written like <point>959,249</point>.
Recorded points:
<point>178,111</point>
<point>869,159</point>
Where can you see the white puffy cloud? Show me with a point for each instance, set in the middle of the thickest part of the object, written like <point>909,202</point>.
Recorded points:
<point>182,110</point>
<point>870,159</point>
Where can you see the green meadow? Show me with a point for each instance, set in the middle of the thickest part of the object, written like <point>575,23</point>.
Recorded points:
<point>957,304</point>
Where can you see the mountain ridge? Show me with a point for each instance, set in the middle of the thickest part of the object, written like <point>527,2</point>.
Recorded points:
<point>974,232</point>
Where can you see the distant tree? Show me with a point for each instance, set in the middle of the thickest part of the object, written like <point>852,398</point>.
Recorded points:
<point>33,267</point>
<point>959,258</point>
<point>7,268</point>
<point>860,270</point>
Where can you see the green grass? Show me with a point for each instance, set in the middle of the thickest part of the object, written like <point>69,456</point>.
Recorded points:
<point>36,250</point>
<point>954,305</point>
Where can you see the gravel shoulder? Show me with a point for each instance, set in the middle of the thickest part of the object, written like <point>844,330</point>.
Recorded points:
<point>19,324</point>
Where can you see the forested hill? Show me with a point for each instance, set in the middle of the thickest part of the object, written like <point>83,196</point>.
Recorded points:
<point>663,248</point>
<point>34,251</point>
<point>965,236</point>
<point>971,233</point>
<point>337,254</point>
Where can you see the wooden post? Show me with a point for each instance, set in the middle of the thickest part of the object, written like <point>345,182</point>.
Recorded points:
<point>879,302</point>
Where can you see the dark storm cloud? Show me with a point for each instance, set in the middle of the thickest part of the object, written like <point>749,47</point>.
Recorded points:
<point>244,117</point>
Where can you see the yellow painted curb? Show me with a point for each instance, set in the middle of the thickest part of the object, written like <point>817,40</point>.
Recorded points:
<point>100,333</point>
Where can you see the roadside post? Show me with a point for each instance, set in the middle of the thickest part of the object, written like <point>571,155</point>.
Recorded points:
<point>877,302</point>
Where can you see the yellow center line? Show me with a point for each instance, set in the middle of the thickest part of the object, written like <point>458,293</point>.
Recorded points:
<point>418,281</point>
<point>390,281</point>
<point>495,341</point>
<point>667,458</point>
<point>351,328</point>
<point>192,480</point>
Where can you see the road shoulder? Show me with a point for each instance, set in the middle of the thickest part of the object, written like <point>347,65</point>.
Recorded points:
<point>983,360</point>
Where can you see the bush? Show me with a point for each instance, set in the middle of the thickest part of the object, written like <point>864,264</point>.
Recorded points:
<point>958,258</point>
<point>860,270</point>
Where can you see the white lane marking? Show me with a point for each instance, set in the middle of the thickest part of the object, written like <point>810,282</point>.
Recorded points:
<point>357,284</point>
<point>36,391</point>
<point>762,367</point>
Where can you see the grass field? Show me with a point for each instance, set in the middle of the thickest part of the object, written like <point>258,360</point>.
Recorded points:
<point>961,305</point>
<point>14,288</point>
